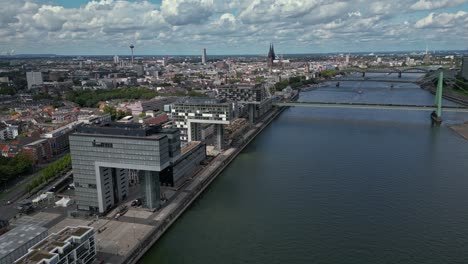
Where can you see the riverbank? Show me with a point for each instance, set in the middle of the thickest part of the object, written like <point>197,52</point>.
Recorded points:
<point>461,130</point>
<point>316,179</point>
<point>125,238</point>
<point>190,192</point>
<point>447,94</point>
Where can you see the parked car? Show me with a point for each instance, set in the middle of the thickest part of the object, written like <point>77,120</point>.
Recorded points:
<point>136,202</point>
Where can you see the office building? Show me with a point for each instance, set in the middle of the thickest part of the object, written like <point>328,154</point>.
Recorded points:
<point>139,69</point>
<point>15,243</point>
<point>116,59</point>
<point>58,138</point>
<point>8,131</point>
<point>185,165</point>
<point>464,69</point>
<point>189,114</point>
<point>39,151</point>
<point>102,155</point>
<point>255,97</point>
<point>72,245</point>
<point>204,56</point>
<point>34,79</point>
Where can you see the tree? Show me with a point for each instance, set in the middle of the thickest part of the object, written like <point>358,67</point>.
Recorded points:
<point>110,110</point>
<point>7,90</point>
<point>177,79</point>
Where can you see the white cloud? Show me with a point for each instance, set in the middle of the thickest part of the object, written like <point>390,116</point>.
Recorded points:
<point>443,20</point>
<point>181,26</point>
<point>260,11</point>
<point>50,18</point>
<point>184,12</point>
<point>436,4</point>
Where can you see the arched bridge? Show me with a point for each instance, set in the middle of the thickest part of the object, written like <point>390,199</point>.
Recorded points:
<point>366,79</point>
<point>389,70</point>
<point>436,115</point>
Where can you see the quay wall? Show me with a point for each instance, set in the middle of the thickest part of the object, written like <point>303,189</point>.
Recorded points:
<point>150,239</point>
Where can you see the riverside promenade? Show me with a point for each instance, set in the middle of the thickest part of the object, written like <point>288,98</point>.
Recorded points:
<point>189,193</point>
<point>126,238</point>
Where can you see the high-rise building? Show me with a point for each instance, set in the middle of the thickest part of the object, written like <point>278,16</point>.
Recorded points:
<point>204,56</point>
<point>189,114</point>
<point>102,155</point>
<point>347,59</point>
<point>139,69</point>
<point>34,79</point>
<point>116,59</point>
<point>464,69</point>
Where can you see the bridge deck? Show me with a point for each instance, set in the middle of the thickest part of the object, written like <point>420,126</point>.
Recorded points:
<point>371,80</point>
<point>373,106</point>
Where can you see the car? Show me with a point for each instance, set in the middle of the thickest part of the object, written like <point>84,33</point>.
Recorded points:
<point>136,202</point>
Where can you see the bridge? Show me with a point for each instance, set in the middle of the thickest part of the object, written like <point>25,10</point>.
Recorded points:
<point>390,70</point>
<point>372,106</point>
<point>436,114</point>
<point>365,79</point>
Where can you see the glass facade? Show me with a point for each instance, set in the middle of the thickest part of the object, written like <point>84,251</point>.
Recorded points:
<point>94,156</point>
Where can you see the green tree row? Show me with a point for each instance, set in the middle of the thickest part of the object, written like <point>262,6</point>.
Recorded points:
<point>50,172</point>
<point>294,82</point>
<point>90,98</point>
<point>7,90</point>
<point>329,73</point>
<point>115,114</point>
<point>11,168</point>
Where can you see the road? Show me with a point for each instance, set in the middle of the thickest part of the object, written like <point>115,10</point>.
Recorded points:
<point>17,193</point>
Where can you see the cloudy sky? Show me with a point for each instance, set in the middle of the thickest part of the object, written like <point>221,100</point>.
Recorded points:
<point>175,27</point>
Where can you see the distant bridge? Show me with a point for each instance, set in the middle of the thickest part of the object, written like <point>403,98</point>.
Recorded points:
<point>361,79</point>
<point>399,70</point>
<point>372,106</point>
<point>436,115</point>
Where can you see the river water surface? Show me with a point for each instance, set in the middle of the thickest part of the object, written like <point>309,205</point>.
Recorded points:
<point>335,186</point>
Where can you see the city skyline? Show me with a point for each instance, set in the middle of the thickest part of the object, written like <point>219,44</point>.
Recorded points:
<point>185,27</point>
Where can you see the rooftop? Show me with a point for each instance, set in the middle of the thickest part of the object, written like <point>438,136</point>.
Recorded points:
<point>121,129</point>
<point>17,237</point>
<point>191,145</point>
<point>45,249</point>
<point>200,101</point>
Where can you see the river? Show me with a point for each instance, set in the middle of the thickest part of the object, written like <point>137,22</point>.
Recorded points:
<point>335,186</point>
